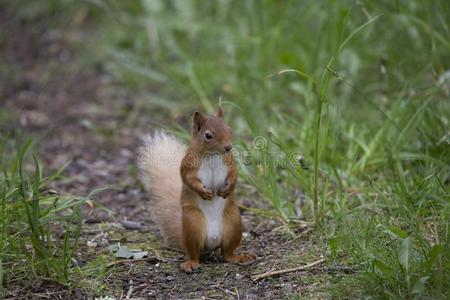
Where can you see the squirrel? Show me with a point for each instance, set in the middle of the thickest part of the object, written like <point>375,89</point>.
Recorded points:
<point>192,190</point>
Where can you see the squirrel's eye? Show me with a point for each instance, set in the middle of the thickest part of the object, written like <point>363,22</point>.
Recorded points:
<point>208,136</point>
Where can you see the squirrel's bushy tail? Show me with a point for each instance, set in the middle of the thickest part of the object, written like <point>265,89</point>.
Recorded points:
<point>159,161</point>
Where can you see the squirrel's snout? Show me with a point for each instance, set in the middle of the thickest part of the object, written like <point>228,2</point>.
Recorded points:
<point>227,148</point>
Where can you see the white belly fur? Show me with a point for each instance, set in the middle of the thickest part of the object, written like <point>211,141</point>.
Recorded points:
<point>213,174</point>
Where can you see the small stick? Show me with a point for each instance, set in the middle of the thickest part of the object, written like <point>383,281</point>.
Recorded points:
<point>301,268</point>
<point>308,230</point>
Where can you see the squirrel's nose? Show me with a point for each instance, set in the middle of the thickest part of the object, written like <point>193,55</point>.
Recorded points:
<point>227,148</point>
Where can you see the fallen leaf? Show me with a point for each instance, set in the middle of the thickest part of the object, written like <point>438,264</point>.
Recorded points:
<point>139,255</point>
<point>113,248</point>
<point>123,252</point>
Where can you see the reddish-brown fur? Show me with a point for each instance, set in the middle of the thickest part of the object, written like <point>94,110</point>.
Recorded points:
<point>193,218</point>
<point>192,233</point>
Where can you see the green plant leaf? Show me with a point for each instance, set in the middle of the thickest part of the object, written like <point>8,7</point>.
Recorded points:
<point>403,254</point>
<point>382,267</point>
<point>397,232</point>
<point>419,286</point>
<point>432,256</point>
<point>333,245</point>
<point>1,277</point>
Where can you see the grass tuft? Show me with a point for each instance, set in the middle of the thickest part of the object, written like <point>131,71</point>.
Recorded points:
<point>39,229</point>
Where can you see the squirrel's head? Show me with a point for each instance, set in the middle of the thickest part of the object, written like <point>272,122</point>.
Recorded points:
<point>211,133</point>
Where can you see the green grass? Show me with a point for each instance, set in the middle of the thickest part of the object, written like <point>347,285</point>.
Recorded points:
<point>39,229</point>
<point>360,106</point>
<point>352,87</point>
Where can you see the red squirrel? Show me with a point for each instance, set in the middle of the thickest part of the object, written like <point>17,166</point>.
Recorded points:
<point>192,190</point>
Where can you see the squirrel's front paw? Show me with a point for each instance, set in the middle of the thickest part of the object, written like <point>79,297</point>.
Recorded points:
<point>206,194</point>
<point>225,191</point>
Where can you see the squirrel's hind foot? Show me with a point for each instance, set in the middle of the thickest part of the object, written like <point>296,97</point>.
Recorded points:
<point>189,265</point>
<point>243,258</point>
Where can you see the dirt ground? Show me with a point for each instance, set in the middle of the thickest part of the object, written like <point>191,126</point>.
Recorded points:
<point>82,115</point>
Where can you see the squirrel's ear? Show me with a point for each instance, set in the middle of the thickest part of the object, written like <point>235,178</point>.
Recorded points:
<point>198,122</point>
<point>220,112</point>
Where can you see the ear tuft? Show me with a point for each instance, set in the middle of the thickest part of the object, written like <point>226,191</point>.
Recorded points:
<point>220,112</point>
<point>198,121</point>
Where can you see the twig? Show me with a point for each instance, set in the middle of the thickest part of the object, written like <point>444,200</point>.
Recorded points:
<point>301,268</point>
<point>251,262</point>
<point>343,269</point>
<point>308,230</point>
